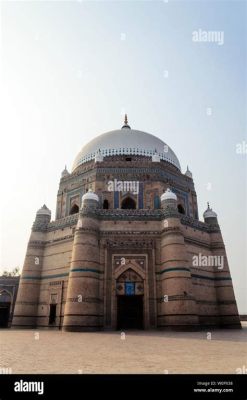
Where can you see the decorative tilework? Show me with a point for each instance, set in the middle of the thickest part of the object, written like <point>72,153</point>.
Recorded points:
<point>140,196</point>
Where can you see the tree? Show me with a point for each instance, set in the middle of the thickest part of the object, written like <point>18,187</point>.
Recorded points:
<point>15,272</point>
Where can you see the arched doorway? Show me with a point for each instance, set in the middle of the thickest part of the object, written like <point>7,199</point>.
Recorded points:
<point>181,209</point>
<point>74,209</point>
<point>105,204</point>
<point>128,203</point>
<point>5,306</point>
<point>130,300</point>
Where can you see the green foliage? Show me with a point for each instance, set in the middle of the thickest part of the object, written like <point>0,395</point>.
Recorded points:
<point>14,272</point>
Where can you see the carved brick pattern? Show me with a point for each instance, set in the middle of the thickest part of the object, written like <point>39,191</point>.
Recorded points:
<point>133,244</point>
<point>36,243</point>
<point>160,174</point>
<point>84,300</point>
<point>177,297</point>
<point>194,223</point>
<point>130,233</point>
<point>142,215</point>
<point>63,222</point>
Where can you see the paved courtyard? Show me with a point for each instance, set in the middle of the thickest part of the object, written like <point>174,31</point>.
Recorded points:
<point>42,351</point>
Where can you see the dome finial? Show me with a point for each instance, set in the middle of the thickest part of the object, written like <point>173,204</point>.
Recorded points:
<point>188,172</point>
<point>65,172</point>
<point>209,214</point>
<point>126,124</point>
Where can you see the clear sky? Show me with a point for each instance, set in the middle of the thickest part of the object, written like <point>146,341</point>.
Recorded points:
<point>69,70</point>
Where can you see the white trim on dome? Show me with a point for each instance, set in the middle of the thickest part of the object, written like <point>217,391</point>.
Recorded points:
<point>168,195</point>
<point>44,211</point>
<point>209,214</point>
<point>90,196</point>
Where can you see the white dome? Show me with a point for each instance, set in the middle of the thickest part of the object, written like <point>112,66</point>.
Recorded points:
<point>126,141</point>
<point>65,172</point>
<point>188,173</point>
<point>90,195</point>
<point>44,211</point>
<point>209,213</point>
<point>168,195</point>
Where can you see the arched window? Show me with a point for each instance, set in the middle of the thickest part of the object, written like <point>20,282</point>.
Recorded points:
<point>74,209</point>
<point>156,202</point>
<point>106,204</point>
<point>128,203</point>
<point>181,209</point>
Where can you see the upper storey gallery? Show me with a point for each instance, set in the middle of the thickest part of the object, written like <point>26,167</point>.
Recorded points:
<point>127,169</point>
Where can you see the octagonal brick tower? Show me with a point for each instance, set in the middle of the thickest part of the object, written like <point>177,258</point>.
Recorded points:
<point>27,302</point>
<point>82,308</point>
<point>178,308</point>
<point>121,252</point>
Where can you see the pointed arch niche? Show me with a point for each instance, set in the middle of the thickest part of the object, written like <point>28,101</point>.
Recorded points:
<point>129,278</point>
